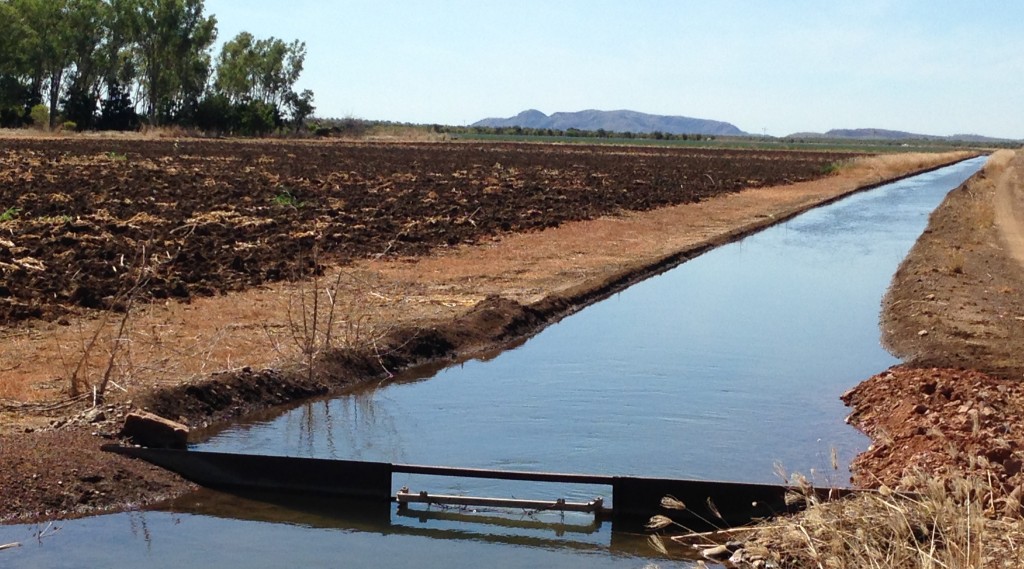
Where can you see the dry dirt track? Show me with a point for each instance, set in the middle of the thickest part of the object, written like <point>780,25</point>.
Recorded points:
<point>457,300</point>
<point>1009,206</point>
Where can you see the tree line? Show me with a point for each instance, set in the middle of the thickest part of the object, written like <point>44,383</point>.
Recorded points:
<point>120,64</point>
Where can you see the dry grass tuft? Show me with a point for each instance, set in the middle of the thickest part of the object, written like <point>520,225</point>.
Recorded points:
<point>948,523</point>
<point>954,522</point>
<point>955,265</point>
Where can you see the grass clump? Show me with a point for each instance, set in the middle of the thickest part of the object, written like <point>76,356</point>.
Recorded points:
<point>957,259</point>
<point>287,199</point>
<point>10,214</point>
<point>833,168</point>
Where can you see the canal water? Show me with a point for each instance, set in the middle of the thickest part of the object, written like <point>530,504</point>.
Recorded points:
<point>728,367</point>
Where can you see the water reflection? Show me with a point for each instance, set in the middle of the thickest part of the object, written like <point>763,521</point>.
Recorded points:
<point>210,529</point>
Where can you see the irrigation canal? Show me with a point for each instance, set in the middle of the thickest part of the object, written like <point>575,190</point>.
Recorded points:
<point>722,368</point>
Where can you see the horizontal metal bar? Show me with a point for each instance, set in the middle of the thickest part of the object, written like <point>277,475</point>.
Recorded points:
<point>504,474</point>
<point>559,505</point>
<point>502,520</point>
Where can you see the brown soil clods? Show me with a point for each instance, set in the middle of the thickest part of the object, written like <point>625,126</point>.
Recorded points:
<point>940,421</point>
<point>91,220</point>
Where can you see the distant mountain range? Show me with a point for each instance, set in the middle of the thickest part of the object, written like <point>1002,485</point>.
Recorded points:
<point>883,134</point>
<point>614,121</point>
<point>636,122</point>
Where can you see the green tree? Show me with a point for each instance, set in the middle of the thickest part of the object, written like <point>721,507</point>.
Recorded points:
<point>235,76</point>
<point>88,61</point>
<point>14,35</point>
<point>300,107</point>
<point>15,99</point>
<point>118,65</point>
<point>54,49</point>
<point>117,110</point>
<point>172,39</point>
<point>46,46</point>
<point>15,96</point>
<point>89,29</point>
<point>265,71</point>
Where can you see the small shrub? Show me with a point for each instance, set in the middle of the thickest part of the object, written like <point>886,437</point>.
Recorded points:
<point>40,115</point>
<point>69,126</point>
<point>256,118</point>
<point>833,168</point>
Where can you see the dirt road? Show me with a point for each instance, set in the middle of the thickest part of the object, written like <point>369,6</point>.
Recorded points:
<point>1009,206</point>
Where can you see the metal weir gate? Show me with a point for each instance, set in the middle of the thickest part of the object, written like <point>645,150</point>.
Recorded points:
<point>633,498</point>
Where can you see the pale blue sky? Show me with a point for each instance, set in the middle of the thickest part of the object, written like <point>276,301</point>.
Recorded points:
<point>927,66</point>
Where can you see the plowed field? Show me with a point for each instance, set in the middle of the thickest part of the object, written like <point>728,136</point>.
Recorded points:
<point>86,221</point>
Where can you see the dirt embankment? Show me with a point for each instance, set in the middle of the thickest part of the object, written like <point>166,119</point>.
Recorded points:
<point>955,312</point>
<point>365,320</point>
